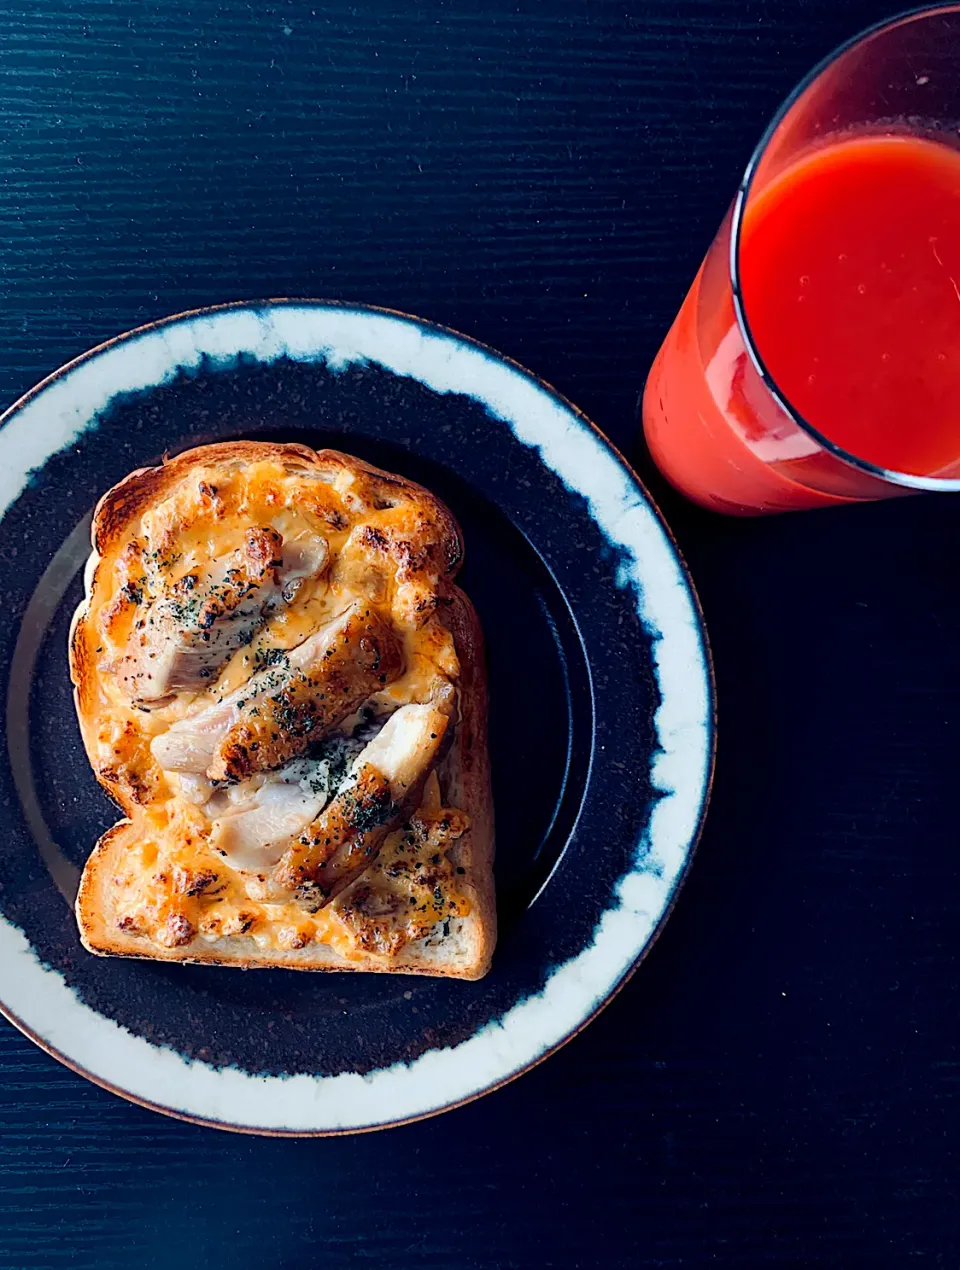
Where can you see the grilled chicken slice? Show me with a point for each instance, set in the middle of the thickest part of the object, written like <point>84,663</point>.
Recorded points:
<point>253,833</point>
<point>284,708</point>
<point>188,746</point>
<point>384,781</point>
<point>254,840</point>
<point>187,634</point>
<point>328,677</point>
<point>253,822</point>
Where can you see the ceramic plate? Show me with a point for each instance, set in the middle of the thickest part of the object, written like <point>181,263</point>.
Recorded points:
<point>601,716</point>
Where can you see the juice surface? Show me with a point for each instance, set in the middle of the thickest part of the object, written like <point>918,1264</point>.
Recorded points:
<point>850,274</point>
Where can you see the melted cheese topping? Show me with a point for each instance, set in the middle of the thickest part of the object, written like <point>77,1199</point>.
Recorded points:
<point>171,887</point>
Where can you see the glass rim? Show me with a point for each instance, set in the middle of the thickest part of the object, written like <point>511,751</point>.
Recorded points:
<point>910,480</point>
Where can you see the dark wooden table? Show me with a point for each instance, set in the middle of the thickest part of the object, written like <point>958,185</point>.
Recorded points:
<point>780,1084</point>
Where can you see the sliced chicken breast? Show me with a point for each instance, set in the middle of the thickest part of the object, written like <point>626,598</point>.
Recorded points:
<point>189,745</point>
<point>254,837</point>
<point>327,678</point>
<point>187,634</point>
<point>252,823</point>
<point>384,781</point>
<point>286,707</point>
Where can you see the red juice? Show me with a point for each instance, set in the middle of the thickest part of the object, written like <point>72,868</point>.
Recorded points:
<point>850,279</point>
<point>850,275</point>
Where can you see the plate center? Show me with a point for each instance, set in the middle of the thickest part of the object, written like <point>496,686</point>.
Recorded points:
<point>540,718</point>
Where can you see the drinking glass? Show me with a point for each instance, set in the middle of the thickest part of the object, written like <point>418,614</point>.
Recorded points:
<point>716,421</point>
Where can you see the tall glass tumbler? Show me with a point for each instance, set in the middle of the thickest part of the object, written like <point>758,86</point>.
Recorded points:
<point>816,358</point>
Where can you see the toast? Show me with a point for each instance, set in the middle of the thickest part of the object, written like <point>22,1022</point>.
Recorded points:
<point>278,681</point>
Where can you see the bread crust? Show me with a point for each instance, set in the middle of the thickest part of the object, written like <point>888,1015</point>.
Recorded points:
<point>464,775</point>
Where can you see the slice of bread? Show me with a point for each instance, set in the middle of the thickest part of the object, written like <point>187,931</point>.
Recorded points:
<point>156,884</point>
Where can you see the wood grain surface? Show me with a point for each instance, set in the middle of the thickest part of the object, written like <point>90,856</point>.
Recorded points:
<point>780,1083</point>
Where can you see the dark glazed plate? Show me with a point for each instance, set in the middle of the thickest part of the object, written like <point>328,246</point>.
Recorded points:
<point>601,716</point>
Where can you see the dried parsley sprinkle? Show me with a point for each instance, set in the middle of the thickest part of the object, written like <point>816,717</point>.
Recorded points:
<point>265,657</point>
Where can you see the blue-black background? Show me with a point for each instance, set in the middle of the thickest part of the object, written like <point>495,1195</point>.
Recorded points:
<point>779,1083</point>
